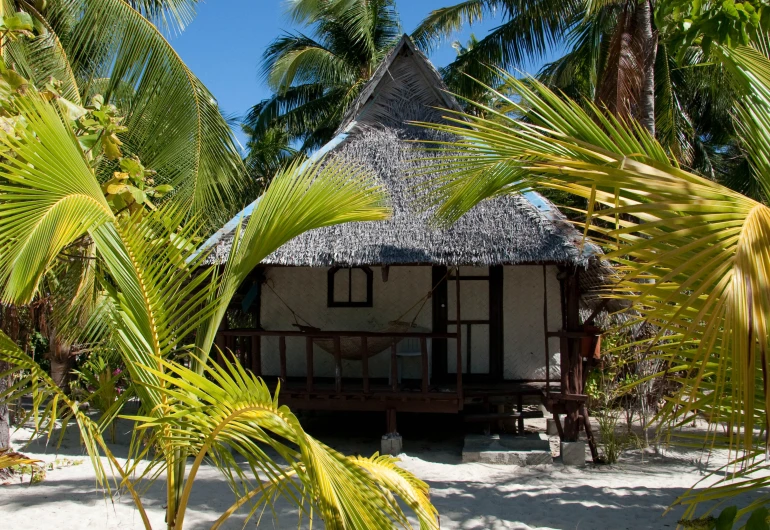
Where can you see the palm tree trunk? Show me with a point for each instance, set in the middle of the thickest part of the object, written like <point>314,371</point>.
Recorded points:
<point>649,45</point>
<point>5,423</point>
<point>61,359</point>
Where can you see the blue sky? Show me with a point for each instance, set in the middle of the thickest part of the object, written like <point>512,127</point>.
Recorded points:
<point>224,44</point>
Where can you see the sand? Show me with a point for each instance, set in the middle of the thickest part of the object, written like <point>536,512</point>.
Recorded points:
<point>631,495</point>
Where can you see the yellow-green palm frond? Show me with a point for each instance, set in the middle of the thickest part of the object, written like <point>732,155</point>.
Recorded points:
<point>174,123</point>
<point>50,199</point>
<point>694,256</point>
<point>53,409</point>
<point>229,410</point>
<point>157,298</point>
<point>302,197</point>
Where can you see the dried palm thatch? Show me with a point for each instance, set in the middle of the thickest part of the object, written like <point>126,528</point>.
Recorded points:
<point>376,134</point>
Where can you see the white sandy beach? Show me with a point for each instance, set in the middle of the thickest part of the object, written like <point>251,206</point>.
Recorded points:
<point>631,495</point>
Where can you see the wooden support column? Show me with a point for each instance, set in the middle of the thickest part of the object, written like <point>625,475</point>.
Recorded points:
<point>391,421</point>
<point>282,355</point>
<point>393,367</point>
<point>545,335</point>
<point>425,370</point>
<point>365,364</point>
<point>573,369</point>
<point>256,355</point>
<point>337,366</point>
<point>459,339</point>
<point>309,363</point>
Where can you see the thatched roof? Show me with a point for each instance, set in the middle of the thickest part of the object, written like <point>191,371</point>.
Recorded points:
<point>524,229</point>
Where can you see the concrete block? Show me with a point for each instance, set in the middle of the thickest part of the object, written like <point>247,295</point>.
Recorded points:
<point>550,427</point>
<point>528,450</point>
<point>391,444</point>
<point>573,453</point>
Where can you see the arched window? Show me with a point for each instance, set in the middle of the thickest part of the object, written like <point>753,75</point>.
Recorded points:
<point>349,287</point>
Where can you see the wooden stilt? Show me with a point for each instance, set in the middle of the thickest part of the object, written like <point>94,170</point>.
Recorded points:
<point>309,362</point>
<point>559,428</point>
<point>337,366</point>
<point>282,355</point>
<point>391,421</point>
<point>256,355</point>
<point>589,433</point>
<point>365,364</point>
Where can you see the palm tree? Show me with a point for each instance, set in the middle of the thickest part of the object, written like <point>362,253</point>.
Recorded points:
<point>168,119</point>
<point>315,77</point>
<point>636,59</point>
<point>693,256</point>
<point>623,46</point>
<point>159,307</point>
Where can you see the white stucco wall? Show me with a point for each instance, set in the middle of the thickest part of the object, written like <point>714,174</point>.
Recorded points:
<point>304,289</point>
<point>524,356</point>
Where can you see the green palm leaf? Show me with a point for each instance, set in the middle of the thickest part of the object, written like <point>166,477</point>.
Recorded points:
<point>302,197</point>
<point>694,256</point>
<point>50,200</point>
<point>174,123</point>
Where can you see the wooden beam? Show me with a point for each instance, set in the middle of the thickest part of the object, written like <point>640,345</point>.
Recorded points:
<point>459,356</point>
<point>337,365</point>
<point>256,356</point>
<point>393,367</point>
<point>365,364</point>
<point>309,362</point>
<point>282,355</point>
<point>545,334</point>
<point>425,370</point>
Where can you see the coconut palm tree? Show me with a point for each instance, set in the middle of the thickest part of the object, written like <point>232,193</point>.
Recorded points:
<point>693,256</point>
<point>167,118</point>
<point>315,77</point>
<point>665,80</point>
<point>159,306</point>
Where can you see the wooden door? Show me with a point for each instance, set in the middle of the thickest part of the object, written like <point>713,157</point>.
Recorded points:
<point>481,327</point>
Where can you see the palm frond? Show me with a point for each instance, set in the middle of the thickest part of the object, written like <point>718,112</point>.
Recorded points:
<point>52,198</point>
<point>694,255</point>
<point>442,23</point>
<point>174,123</point>
<point>229,409</point>
<point>302,197</point>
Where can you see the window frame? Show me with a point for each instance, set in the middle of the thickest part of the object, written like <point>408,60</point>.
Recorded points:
<point>330,275</point>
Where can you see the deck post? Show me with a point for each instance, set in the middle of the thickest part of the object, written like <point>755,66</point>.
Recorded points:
<point>365,363</point>
<point>256,355</point>
<point>459,340</point>
<point>282,355</point>
<point>393,367</point>
<point>572,371</point>
<point>391,419</point>
<point>337,366</point>
<point>309,362</point>
<point>545,335</point>
<point>425,370</point>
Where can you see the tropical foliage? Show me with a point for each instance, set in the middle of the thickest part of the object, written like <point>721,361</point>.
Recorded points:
<point>153,301</point>
<point>82,209</point>
<point>648,61</point>
<point>316,77</point>
<point>135,103</point>
<point>693,256</point>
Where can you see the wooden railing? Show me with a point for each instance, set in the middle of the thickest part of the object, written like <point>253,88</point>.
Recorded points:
<point>246,344</point>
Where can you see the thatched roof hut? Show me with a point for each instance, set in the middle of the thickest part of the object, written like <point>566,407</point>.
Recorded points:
<point>510,230</point>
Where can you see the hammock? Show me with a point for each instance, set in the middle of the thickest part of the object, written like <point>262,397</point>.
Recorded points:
<point>350,347</point>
